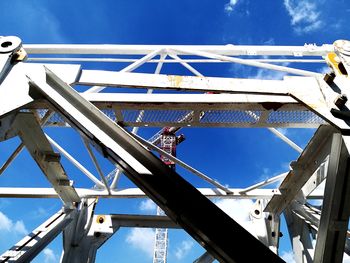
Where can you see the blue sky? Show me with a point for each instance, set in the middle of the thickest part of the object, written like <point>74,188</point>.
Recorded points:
<point>236,157</point>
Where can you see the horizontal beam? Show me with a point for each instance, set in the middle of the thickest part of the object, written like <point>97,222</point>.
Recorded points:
<point>181,100</point>
<point>171,61</point>
<point>26,192</point>
<point>229,50</point>
<point>178,82</point>
<point>148,221</point>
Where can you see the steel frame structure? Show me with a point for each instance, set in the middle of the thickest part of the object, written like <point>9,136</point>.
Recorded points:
<point>34,95</point>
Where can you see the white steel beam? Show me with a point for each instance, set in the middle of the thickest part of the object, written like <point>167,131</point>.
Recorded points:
<point>229,50</point>
<point>129,68</point>
<point>186,65</point>
<point>41,151</point>
<point>233,101</point>
<point>168,61</point>
<point>308,162</point>
<point>265,182</point>
<point>97,166</point>
<point>250,63</point>
<point>75,162</point>
<point>176,82</point>
<point>286,139</point>
<point>30,192</point>
<point>20,147</point>
<point>299,233</point>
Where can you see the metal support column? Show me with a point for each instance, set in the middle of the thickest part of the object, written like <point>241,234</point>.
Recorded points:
<point>75,244</point>
<point>336,204</point>
<point>299,233</point>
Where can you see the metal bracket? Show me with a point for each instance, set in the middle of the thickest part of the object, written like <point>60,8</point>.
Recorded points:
<point>8,48</point>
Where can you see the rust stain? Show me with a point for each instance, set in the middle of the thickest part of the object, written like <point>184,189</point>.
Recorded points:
<point>175,80</point>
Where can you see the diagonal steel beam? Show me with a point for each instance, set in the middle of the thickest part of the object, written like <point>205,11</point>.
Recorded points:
<point>202,219</point>
<point>310,159</point>
<point>31,245</point>
<point>40,149</point>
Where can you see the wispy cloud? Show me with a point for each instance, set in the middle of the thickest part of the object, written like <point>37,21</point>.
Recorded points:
<point>229,7</point>
<point>305,15</point>
<point>284,131</point>
<point>49,256</point>
<point>142,239</point>
<point>269,74</point>
<point>8,225</point>
<point>147,205</point>
<point>183,249</point>
<point>37,23</point>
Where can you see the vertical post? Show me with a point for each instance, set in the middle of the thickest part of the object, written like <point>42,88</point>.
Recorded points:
<point>299,236</point>
<point>336,204</point>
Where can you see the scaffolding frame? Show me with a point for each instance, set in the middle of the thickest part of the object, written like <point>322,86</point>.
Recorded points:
<point>36,95</point>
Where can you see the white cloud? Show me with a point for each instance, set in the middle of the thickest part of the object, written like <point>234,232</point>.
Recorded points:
<point>142,239</point>
<point>147,205</point>
<point>183,249</point>
<point>269,74</point>
<point>288,256</point>
<point>49,256</point>
<point>6,224</point>
<point>304,14</point>
<point>230,6</point>
<point>20,228</point>
<point>270,41</point>
<point>36,22</point>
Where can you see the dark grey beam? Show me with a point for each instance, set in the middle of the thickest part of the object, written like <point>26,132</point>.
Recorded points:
<point>151,221</point>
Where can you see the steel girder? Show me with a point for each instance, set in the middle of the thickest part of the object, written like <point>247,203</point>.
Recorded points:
<point>207,223</point>
<point>286,92</point>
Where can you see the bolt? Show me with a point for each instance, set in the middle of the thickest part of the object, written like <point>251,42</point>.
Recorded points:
<point>329,78</point>
<point>101,220</point>
<point>269,217</point>
<point>6,44</point>
<point>257,212</point>
<point>341,100</point>
<point>273,234</point>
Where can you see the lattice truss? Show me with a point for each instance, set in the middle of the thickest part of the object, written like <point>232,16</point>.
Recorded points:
<point>78,86</point>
